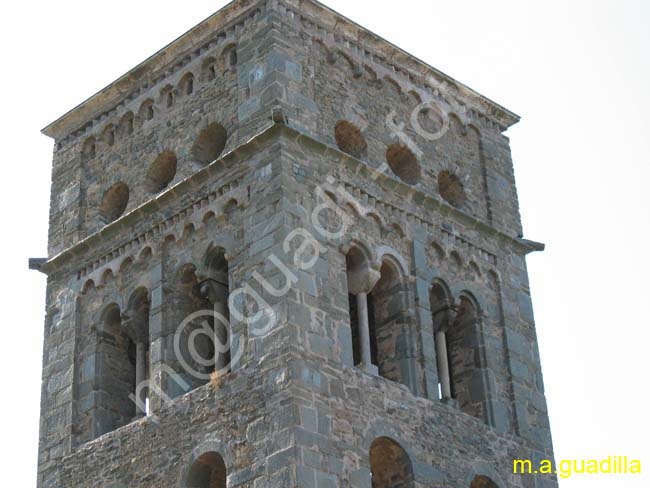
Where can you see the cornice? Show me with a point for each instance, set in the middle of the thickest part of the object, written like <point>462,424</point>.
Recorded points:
<point>159,66</point>
<point>352,36</point>
<point>228,20</point>
<point>426,202</point>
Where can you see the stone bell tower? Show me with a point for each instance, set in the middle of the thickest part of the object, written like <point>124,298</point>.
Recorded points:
<point>285,253</point>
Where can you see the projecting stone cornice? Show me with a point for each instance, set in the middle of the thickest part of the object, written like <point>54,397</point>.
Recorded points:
<point>223,25</point>
<point>84,249</point>
<point>350,35</point>
<point>163,64</point>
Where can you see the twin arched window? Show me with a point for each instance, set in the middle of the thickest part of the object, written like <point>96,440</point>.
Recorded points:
<point>378,309</point>
<point>384,339</point>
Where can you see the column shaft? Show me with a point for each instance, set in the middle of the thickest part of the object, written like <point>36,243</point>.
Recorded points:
<point>140,377</point>
<point>443,364</point>
<point>364,331</point>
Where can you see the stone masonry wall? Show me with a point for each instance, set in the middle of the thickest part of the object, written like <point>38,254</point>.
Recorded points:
<point>284,121</point>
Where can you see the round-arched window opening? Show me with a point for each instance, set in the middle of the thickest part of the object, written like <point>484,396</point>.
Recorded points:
<point>403,163</point>
<point>483,482</point>
<point>390,465</point>
<point>115,200</point>
<point>349,138</point>
<point>451,189</point>
<point>210,144</point>
<point>208,471</point>
<point>161,172</point>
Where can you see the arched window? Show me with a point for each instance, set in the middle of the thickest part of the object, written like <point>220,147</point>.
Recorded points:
<point>115,374</point>
<point>208,471</point>
<point>215,288</point>
<point>390,466</point>
<point>389,332</point>
<point>441,309</point>
<point>200,302</point>
<point>194,360</point>
<point>457,348</point>
<point>462,346</point>
<point>481,481</point>
<point>360,278</point>
<point>136,324</point>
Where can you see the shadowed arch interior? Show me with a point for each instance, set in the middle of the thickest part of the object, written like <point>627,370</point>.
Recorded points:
<point>462,344</point>
<point>403,163</point>
<point>350,139</point>
<point>389,330</point>
<point>210,144</point>
<point>390,466</point>
<point>208,471</point>
<point>161,172</point>
<point>481,481</point>
<point>114,202</point>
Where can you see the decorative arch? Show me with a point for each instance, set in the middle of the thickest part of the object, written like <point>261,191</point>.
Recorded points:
<point>229,57</point>
<point>88,286</point>
<point>126,124</point>
<point>145,253</point>
<point>186,84</point>
<point>146,111</point>
<point>107,277</point>
<point>89,149</point>
<point>167,97</point>
<point>108,135</point>
<point>209,69</point>
<point>394,256</point>
<point>394,84</point>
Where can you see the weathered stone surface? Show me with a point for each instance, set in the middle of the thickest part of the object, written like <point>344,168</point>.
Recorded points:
<point>252,159</point>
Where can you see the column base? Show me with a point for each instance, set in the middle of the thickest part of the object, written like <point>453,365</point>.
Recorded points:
<point>450,401</point>
<point>372,369</point>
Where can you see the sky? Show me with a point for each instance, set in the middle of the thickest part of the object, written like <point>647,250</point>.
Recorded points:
<point>578,73</point>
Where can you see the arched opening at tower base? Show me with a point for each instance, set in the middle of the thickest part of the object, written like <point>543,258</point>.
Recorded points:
<point>481,481</point>
<point>208,471</point>
<point>390,466</point>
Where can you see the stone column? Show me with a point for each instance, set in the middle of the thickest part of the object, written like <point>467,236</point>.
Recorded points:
<point>364,331</point>
<point>443,364</point>
<point>219,341</point>
<point>140,376</point>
